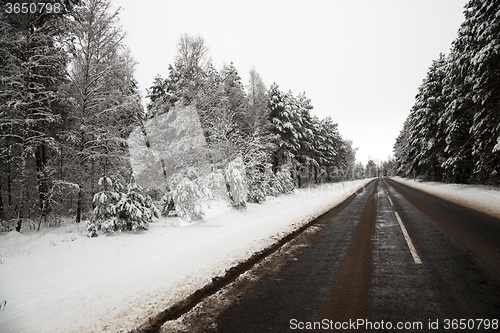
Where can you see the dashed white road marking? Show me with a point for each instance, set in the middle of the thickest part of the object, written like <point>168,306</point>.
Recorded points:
<point>414,253</point>
<point>390,200</point>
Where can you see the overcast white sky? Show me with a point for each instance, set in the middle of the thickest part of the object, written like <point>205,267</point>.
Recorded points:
<point>359,61</point>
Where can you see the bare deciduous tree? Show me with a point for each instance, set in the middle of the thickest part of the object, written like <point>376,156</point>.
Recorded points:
<point>191,61</point>
<point>95,48</point>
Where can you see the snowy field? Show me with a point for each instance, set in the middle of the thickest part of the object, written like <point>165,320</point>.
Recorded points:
<point>482,198</point>
<point>59,280</point>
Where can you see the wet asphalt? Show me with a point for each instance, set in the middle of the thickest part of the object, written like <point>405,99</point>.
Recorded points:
<point>362,273</point>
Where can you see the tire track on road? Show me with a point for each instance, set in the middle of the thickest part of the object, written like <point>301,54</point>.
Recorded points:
<point>348,296</point>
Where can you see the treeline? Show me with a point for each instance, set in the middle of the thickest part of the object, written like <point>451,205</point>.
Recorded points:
<point>68,101</point>
<point>453,131</point>
<point>69,106</point>
<point>274,134</point>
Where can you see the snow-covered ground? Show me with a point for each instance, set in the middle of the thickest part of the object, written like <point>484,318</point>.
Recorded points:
<point>482,198</point>
<point>59,280</point>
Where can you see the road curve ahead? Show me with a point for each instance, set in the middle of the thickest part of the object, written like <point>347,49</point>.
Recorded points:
<point>392,259</point>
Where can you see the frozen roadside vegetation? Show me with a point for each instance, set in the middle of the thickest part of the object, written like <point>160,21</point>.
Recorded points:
<point>482,198</point>
<point>60,280</point>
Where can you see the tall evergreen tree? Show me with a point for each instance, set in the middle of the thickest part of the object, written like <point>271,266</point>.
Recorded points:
<point>485,64</point>
<point>282,115</point>
<point>427,139</point>
<point>234,99</point>
<point>403,163</point>
<point>459,112</point>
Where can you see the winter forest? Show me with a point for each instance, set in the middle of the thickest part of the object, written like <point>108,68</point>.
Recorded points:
<point>452,133</point>
<point>76,141</point>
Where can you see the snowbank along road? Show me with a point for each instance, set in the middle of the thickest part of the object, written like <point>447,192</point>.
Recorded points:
<point>391,258</point>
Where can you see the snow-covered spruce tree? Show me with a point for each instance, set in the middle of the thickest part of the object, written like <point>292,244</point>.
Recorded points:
<point>284,118</point>
<point>454,126</point>
<point>186,197</point>
<point>484,45</point>
<point>403,165</point>
<point>135,209</point>
<point>104,217</point>
<point>236,182</point>
<point>256,185</point>
<point>426,132</point>
<point>116,211</point>
<point>261,143</point>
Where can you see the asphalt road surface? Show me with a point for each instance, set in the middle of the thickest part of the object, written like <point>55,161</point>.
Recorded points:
<point>389,259</point>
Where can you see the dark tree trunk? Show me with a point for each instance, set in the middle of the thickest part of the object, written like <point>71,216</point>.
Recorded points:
<point>2,213</point>
<point>43,189</point>
<point>298,170</point>
<point>9,186</point>
<point>92,185</point>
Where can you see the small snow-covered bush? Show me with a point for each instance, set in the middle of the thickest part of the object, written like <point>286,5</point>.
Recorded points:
<point>236,182</point>
<point>115,210</point>
<point>135,210</point>
<point>186,197</point>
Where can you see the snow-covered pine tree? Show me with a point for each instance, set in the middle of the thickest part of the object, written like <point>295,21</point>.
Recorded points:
<point>213,186</point>
<point>471,118</point>
<point>331,150</point>
<point>283,116</point>
<point>459,112</point>
<point>454,124</point>
<point>305,155</point>
<point>261,143</point>
<point>158,95</point>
